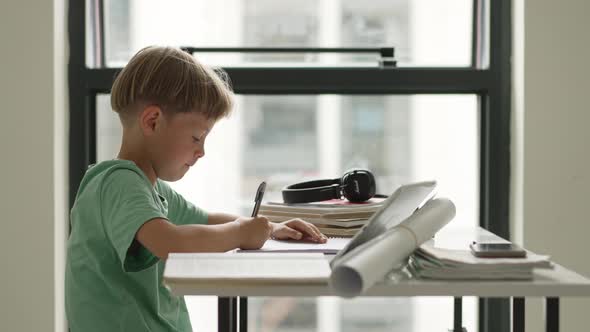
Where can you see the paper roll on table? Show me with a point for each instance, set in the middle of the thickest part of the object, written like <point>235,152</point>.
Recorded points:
<point>370,262</point>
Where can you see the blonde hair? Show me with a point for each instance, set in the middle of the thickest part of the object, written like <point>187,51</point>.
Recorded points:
<point>173,80</point>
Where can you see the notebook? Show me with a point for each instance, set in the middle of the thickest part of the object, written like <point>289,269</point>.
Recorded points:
<point>332,246</point>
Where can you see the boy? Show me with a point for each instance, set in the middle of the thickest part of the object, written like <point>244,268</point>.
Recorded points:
<point>126,220</point>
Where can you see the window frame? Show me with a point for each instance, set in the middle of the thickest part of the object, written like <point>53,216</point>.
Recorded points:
<point>492,85</point>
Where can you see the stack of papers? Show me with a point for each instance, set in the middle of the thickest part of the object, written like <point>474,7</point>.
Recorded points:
<point>439,263</point>
<point>333,217</point>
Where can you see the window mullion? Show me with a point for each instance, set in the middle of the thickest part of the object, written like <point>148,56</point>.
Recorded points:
<point>338,80</point>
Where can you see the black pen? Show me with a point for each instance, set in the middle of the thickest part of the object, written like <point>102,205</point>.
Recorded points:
<point>258,198</point>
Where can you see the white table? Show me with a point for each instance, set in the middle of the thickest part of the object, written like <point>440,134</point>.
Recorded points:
<point>548,283</point>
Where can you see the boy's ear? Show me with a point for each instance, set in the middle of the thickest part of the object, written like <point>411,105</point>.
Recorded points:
<point>150,118</point>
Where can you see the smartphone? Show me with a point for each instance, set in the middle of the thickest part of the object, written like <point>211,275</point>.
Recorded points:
<point>496,250</point>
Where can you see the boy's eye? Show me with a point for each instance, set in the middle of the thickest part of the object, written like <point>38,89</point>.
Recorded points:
<point>196,140</point>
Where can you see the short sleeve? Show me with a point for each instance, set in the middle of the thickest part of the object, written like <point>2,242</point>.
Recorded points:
<point>181,211</point>
<point>127,202</point>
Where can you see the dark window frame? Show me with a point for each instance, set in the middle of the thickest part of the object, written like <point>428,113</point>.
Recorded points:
<point>492,85</point>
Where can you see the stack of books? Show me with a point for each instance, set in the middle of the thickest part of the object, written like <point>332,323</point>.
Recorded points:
<point>334,218</point>
<point>431,262</point>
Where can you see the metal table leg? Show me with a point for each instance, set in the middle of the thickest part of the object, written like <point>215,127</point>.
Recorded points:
<point>458,315</point>
<point>518,314</point>
<point>552,314</point>
<point>243,314</point>
<point>226,314</point>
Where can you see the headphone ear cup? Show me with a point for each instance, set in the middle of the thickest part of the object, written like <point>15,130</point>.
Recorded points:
<point>358,185</point>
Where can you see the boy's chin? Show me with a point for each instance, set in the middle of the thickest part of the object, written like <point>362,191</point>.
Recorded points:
<point>172,177</point>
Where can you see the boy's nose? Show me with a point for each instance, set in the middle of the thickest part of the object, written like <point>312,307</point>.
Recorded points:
<point>200,153</point>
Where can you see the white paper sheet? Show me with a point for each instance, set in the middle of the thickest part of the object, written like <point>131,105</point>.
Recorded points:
<point>332,246</point>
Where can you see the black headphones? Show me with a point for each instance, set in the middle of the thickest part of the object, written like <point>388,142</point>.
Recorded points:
<point>356,185</point>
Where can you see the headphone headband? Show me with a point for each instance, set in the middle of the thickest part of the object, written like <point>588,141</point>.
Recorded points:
<point>312,191</point>
<point>355,185</point>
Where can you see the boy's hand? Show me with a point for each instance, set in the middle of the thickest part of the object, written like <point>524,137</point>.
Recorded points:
<point>299,230</point>
<point>253,232</point>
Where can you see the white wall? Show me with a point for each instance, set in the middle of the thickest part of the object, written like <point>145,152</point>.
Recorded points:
<point>556,156</point>
<point>32,168</point>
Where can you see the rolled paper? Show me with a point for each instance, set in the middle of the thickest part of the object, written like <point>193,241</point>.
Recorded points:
<point>370,262</point>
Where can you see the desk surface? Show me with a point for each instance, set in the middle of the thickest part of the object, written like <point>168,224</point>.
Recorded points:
<point>556,282</point>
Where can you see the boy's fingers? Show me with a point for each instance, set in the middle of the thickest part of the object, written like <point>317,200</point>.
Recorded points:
<point>314,232</point>
<point>295,234</point>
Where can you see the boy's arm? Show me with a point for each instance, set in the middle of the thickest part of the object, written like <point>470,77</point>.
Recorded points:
<point>162,237</point>
<point>216,218</point>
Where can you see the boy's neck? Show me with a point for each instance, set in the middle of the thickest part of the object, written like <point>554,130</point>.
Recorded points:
<point>143,163</point>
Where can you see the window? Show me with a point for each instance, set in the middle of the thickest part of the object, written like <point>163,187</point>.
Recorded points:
<point>441,114</point>
<point>424,33</point>
<point>284,139</point>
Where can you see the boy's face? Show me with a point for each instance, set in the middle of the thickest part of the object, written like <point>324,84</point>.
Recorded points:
<point>178,141</point>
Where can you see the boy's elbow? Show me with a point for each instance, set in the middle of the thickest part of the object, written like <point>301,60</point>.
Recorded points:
<point>160,253</point>
<point>160,237</point>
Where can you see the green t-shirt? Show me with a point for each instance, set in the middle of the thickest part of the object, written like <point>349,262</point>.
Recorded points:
<point>113,283</point>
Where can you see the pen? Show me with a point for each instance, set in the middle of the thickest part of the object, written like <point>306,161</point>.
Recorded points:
<point>258,198</point>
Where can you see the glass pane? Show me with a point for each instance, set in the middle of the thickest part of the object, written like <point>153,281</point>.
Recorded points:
<point>423,32</point>
<point>288,139</point>
<point>332,314</point>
